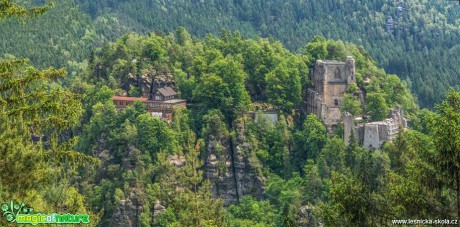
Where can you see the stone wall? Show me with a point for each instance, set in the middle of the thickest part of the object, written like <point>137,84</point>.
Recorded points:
<point>330,82</point>
<point>373,134</point>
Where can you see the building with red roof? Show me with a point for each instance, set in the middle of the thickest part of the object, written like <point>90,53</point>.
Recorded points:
<point>164,101</point>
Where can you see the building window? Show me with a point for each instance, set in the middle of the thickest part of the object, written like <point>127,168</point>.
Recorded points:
<point>337,73</point>
<point>157,97</point>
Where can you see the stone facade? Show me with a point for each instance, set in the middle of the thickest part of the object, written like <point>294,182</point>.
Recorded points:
<point>373,134</point>
<point>330,81</point>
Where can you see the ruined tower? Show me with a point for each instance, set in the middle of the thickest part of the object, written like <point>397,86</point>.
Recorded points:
<point>330,81</point>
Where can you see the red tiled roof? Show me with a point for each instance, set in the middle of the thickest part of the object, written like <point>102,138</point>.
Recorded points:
<point>123,98</point>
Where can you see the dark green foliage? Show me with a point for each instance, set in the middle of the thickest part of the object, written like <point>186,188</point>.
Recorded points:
<point>62,36</point>
<point>445,130</point>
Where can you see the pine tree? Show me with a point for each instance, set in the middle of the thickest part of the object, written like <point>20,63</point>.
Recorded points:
<point>446,133</point>
<point>34,112</point>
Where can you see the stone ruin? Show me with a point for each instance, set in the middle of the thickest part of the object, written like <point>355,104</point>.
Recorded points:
<point>373,134</point>
<point>149,82</point>
<point>331,80</point>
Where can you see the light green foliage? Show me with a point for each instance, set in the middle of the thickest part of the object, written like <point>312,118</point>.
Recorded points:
<point>284,87</point>
<point>222,87</point>
<point>11,9</point>
<point>253,212</point>
<point>376,106</point>
<point>153,134</point>
<point>352,88</point>
<point>166,218</point>
<point>33,105</point>
<point>134,91</point>
<point>309,140</point>
<point>317,49</point>
<point>104,117</point>
<point>350,104</point>
<point>397,93</point>
<point>94,95</point>
<point>17,152</point>
<point>286,195</point>
<point>422,45</point>
<point>214,124</point>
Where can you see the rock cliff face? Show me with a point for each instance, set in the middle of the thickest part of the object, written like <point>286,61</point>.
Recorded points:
<point>127,212</point>
<point>306,218</point>
<point>219,168</point>
<point>248,173</point>
<point>149,82</point>
<point>232,167</point>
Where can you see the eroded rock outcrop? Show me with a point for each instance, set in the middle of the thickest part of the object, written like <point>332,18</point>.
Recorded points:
<point>219,168</point>
<point>248,172</point>
<point>127,211</point>
<point>157,209</point>
<point>149,82</point>
<point>232,167</point>
<point>306,218</point>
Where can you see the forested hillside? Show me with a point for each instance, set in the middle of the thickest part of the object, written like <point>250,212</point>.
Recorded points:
<point>419,43</point>
<point>66,147</point>
<point>212,165</point>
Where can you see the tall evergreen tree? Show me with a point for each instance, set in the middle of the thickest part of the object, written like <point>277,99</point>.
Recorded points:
<point>446,134</point>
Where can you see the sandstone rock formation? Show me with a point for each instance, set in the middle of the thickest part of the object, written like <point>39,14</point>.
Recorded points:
<point>149,82</point>
<point>231,169</point>
<point>127,211</point>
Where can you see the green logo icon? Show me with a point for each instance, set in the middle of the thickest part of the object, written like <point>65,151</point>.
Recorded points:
<point>22,214</point>
<point>12,210</point>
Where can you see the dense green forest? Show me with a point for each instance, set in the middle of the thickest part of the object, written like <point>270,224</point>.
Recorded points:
<point>65,147</point>
<point>420,44</point>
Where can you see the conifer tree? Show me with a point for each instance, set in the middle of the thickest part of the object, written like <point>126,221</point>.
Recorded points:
<point>446,134</point>
<point>34,112</point>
